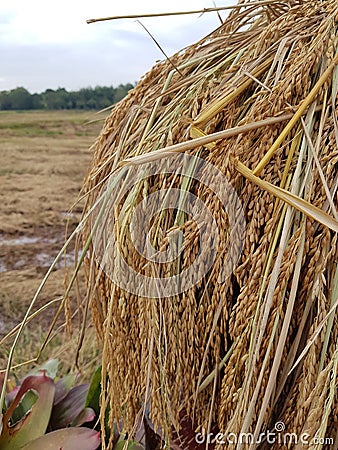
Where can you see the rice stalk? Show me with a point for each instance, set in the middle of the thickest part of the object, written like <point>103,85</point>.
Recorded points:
<point>179,13</point>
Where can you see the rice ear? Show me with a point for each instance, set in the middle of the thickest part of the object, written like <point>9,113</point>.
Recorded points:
<point>253,125</point>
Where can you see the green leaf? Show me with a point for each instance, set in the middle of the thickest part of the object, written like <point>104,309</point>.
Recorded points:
<point>26,404</point>
<point>50,368</point>
<point>94,391</point>
<point>93,401</point>
<point>128,445</point>
<point>34,423</point>
<point>66,439</point>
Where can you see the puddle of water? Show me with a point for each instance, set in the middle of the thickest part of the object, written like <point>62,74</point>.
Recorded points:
<point>26,240</point>
<point>20,264</point>
<point>68,215</point>
<point>22,240</point>
<point>70,259</point>
<point>3,267</point>
<point>41,259</point>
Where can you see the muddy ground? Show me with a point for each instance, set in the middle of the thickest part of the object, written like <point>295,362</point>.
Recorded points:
<point>44,159</point>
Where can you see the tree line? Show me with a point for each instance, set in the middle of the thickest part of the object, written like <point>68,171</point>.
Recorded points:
<point>86,98</point>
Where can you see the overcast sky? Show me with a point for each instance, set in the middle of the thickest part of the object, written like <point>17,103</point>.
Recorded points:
<point>47,44</point>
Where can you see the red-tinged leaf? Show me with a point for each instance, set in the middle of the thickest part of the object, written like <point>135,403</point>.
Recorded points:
<point>11,395</point>
<point>153,439</point>
<point>63,386</point>
<point>85,416</point>
<point>188,439</point>
<point>66,439</point>
<point>2,377</point>
<point>35,422</point>
<point>68,409</point>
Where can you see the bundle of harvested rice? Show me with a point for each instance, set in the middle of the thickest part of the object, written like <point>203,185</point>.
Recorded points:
<point>211,228</point>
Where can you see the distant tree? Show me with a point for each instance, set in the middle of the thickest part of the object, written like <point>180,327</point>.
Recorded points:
<point>86,98</point>
<point>51,99</point>
<point>63,101</point>
<point>121,91</point>
<point>20,98</point>
<point>5,101</point>
<point>36,101</point>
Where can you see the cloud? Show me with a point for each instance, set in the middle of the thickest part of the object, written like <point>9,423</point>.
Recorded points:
<point>6,17</point>
<point>51,66</point>
<point>49,45</point>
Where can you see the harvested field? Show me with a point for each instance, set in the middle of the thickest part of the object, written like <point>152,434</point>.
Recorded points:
<point>44,159</point>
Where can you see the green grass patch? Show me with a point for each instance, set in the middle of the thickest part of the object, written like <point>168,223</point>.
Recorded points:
<point>30,129</point>
<point>49,124</point>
